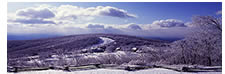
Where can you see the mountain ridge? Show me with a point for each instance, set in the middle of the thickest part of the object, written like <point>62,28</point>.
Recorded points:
<point>108,48</point>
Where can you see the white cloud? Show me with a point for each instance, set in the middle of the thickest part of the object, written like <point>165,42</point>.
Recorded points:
<point>36,13</point>
<point>168,23</point>
<point>32,15</point>
<point>69,10</point>
<point>114,12</point>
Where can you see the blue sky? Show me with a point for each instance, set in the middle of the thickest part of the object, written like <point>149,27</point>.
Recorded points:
<point>147,12</point>
<point>150,17</point>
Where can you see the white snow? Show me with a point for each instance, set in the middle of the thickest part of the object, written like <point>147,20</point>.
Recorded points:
<point>34,61</point>
<point>105,41</point>
<point>97,55</point>
<point>90,56</point>
<point>52,59</point>
<point>134,48</point>
<point>55,56</point>
<point>113,71</point>
<point>33,57</point>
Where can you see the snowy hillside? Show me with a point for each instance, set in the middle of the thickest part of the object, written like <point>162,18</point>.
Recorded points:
<point>78,51</point>
<point>102,42</point>
<point>87,49</point>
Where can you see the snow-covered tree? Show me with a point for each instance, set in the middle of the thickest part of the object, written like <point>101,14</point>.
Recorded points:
<point>204,45</point>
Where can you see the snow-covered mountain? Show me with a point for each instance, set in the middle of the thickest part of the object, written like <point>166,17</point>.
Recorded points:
<point>85,49</point>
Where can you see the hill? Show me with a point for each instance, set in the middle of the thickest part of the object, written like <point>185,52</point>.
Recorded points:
<point>85,49</point>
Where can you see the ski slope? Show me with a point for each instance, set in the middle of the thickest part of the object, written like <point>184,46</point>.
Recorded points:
<point>105,41</point>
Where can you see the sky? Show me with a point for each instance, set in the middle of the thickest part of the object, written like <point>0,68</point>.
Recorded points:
<point>149,19</point>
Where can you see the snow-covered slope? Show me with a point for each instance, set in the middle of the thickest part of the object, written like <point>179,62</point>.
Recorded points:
<point>104,41</point>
